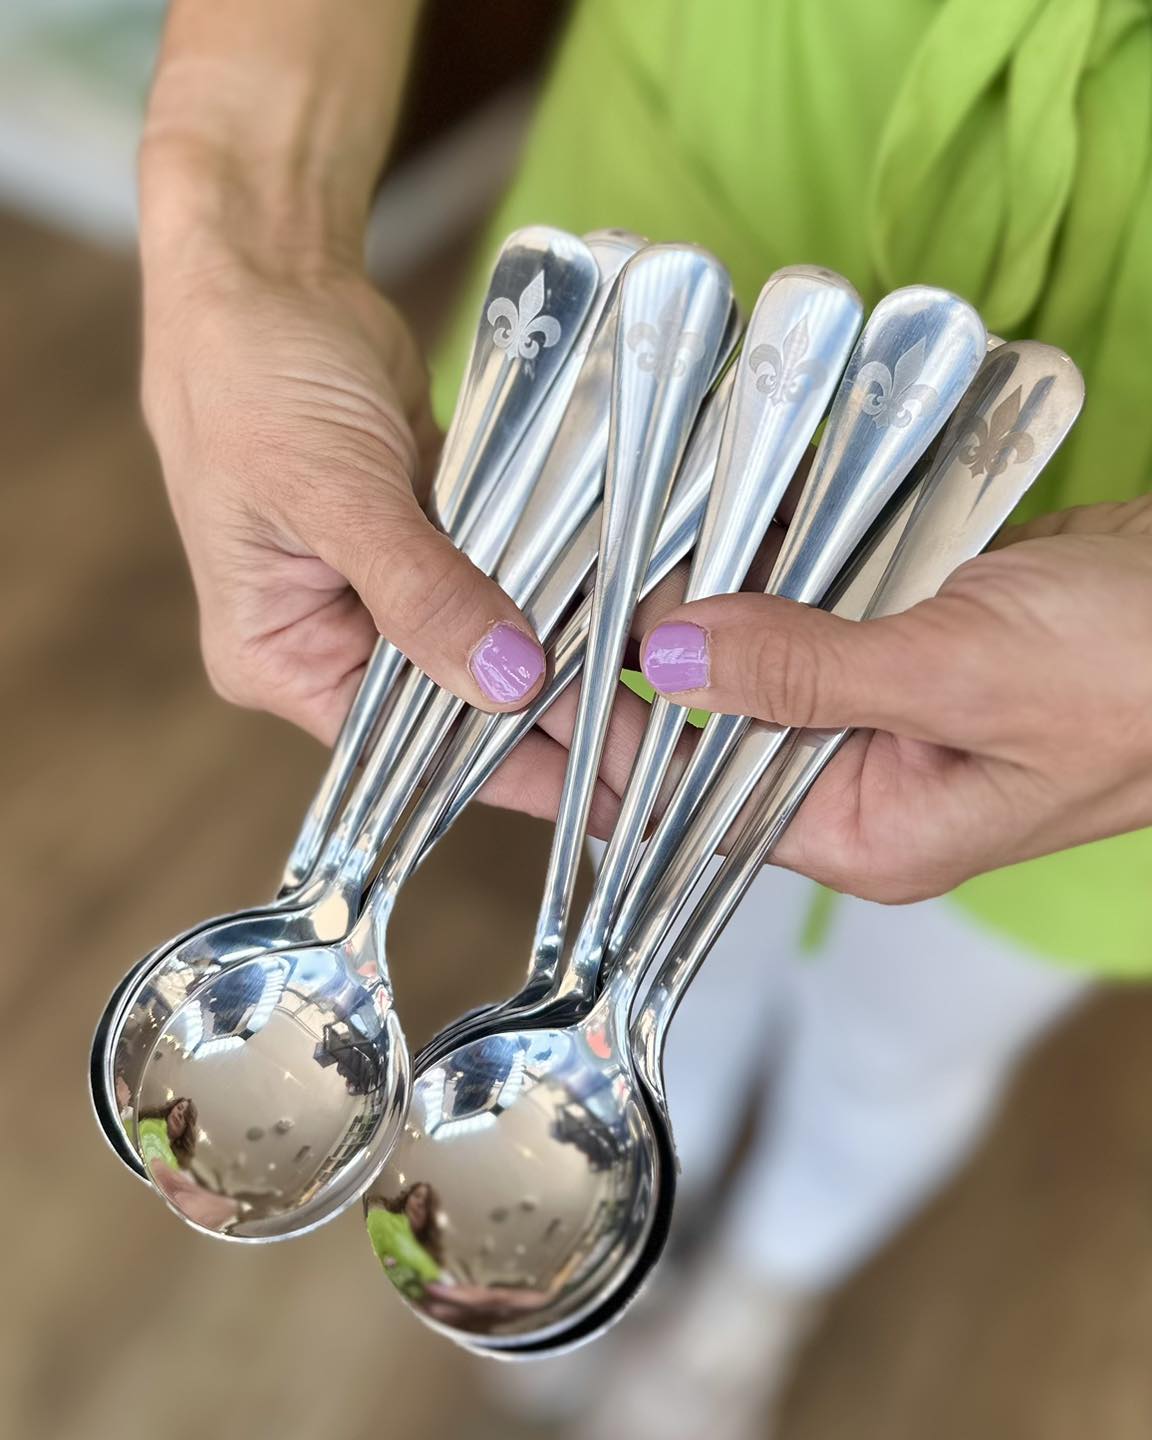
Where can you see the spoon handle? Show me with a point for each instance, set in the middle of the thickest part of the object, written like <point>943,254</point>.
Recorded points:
<point>1012,420</point>
<point>674,307</point>
<point>795,348</point>
<point>558,465</point>
<point>542,288</point>
<point>483,742</point>
<point>918,352</point>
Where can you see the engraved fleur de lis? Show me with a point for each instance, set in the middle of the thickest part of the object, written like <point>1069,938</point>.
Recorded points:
<point>513,326</point>
<point>998,442</point>
<point>782,373</point>
<point>895,397</point>
<point>664,349</point>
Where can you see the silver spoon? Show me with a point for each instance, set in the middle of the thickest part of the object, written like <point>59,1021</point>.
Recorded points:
<point>501,428</point>
<point>571,479</point>
<point>918,352</point>
<point>797,344</point>
<point>951,521</point>
<point>263,1031</point>
<point>486,741</point>
<point>542,288</point>
<point>955,514</point>
<point>858,465</point>
<point>542,1072</point>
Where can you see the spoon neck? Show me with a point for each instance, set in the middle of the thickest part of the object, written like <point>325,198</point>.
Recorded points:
<point>624,982</point>
<point>547,948</point>
<point>648,1036</point>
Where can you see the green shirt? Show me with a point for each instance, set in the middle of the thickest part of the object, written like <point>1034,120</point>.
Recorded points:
<point>1000,148</point>
<point>406,1262</point>
<point>155,1146</point>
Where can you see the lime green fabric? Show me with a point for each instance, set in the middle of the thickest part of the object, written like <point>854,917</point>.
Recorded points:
<point>406,1262</point>
<point>1001,148</point>
<point>155,1147</point>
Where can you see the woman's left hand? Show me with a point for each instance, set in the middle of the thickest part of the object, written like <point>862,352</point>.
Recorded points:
<point>1008,717</point>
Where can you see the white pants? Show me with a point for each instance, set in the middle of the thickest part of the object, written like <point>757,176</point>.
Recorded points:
<point>883,1054</point>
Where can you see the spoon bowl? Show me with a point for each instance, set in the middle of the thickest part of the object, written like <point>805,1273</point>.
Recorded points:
<point>312,1041</point>
<point>508,412</point>
<point>540,1165</point>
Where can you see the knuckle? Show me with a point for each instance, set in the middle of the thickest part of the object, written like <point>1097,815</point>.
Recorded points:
<point>785,677</point>
<point>414,586</point>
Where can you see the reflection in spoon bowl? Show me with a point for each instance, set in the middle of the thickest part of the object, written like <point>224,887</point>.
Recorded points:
<point>537,1152</point>
<point>279,1085</point>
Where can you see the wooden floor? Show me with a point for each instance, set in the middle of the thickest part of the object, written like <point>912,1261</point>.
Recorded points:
<point>133,802</point>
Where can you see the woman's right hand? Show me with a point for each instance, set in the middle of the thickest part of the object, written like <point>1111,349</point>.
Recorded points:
<point>290,412</point>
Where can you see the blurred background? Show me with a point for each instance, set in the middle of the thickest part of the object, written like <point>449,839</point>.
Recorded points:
<point>134,801</point>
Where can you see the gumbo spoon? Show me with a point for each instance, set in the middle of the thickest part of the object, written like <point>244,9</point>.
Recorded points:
<point>599,1088</point>
<point>859,463</point>
<point>543,285</point>
<point>797,343</point>
<point>501,427</point>
<point>915,358</point>
<point>260,1034</point>
<point>568,486</point>
<point>839,502</point>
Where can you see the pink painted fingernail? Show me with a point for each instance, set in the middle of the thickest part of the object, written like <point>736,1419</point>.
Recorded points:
<point>676,658</point>
<point>506,664</point>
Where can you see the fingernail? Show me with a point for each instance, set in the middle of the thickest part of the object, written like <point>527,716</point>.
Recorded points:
<point>676,658</point>
<point>506,664</point>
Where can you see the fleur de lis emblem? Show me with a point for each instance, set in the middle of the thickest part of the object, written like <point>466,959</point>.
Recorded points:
<point>664,349</point>
<point>895,397</point>
<point>783,373</point>
<point>514,326</point>
<point>998,442</point>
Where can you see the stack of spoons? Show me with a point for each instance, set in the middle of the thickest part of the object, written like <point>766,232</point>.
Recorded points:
<point>613,422</point>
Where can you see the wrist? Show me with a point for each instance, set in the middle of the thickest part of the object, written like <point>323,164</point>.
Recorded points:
<point>265,136</point>
<point>211,200</point>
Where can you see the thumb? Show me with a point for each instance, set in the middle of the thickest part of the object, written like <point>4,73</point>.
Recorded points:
<point>791,664</point>
<point>427,598</point>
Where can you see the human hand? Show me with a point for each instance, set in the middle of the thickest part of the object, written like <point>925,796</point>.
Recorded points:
<point>292,422</point>
<point>1010,716</point>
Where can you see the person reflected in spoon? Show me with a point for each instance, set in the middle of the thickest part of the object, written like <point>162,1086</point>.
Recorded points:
<point>168,1138</point>
<point>405,1234</point>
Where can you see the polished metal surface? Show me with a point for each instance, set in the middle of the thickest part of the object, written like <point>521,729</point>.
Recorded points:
<point>544,1117</point>
<point>324,919</point>
<point>544,1179</point>
<point>961,502</point>
<point>953,512</point>
<point>533,1151</point>
<point>309,1042</point>
<point>1009,424</point>
<point>797,343</point>
<point>915,358</point>
<point>681,521</point>
<point>486,741</point>
<point>123,1037</point>
<point>554,277</point>
<point>674,306</point>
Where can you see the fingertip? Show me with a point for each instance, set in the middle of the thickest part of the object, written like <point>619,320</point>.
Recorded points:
<point>675,658</point>
<point>508,665</point>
